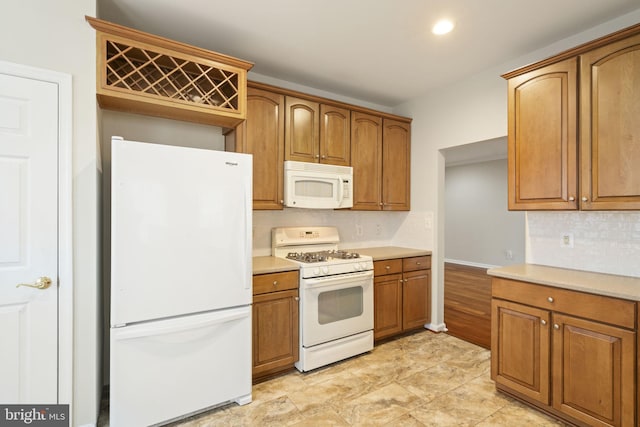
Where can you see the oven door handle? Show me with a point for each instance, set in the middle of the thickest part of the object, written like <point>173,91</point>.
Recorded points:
<point>337,279</point>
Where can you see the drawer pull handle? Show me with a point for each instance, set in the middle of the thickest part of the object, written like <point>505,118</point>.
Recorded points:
<point>417,263</point>
<point>550,299</point>
<point>275,283</point>
<point>544,322</point>
<point>556,326</point>
<point>388,267</point>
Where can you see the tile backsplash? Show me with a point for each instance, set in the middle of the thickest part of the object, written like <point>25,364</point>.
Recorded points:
<point>603,241</point>
<point>357,229</point>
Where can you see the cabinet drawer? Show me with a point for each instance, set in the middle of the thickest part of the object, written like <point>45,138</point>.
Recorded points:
<point>416,263</point>
<point>387,266</point>
<point>597,307</point>
<point>273,282</point>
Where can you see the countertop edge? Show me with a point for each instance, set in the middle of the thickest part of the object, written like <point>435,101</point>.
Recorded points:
<point>624,287</point>
<point>391,252</point>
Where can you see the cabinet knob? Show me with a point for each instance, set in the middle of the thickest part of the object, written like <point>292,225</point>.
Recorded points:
<point>324,157</point>
<point>543,322</point>
<point>282,202</point>
<point>572,199</point>
<point>550,299</point>
<point>275,283</point>
<point>380,203</point>
<point>317,156</point>
<point>296,298</point>
<point>417,263</point>
<point>585,198</point>
<point>556,326</point>
<point>388,267</point>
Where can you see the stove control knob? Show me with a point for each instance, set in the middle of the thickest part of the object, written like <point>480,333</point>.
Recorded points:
<point>325,270</point>
<point>316,271</point>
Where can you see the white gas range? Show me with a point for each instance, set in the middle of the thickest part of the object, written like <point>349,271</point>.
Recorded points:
<point>336,294</point>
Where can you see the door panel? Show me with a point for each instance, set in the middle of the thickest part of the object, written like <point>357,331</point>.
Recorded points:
<point>520,348</point>
<point>366,159</point>
<point>610,142</point>
<point>28,239</point>
<point>593,371</point>
<point>542,138</point>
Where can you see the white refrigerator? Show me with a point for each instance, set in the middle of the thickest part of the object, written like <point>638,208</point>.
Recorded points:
<point>181,276</point>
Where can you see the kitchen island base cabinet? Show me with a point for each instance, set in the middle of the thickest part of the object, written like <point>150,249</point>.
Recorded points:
<point>402,295</point>
<point>572,354</point>
<point>275,323</point>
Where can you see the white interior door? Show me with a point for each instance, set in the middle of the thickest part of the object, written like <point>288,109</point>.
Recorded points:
<point>28,240</point>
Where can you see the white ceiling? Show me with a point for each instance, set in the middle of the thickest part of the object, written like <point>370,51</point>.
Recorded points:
<point>378,51</point>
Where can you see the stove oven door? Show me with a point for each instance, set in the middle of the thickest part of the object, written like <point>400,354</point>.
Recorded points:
<point>337,306</point>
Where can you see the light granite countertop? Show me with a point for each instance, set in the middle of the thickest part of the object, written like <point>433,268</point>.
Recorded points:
<point>271,264</point>
<point>625,287</point>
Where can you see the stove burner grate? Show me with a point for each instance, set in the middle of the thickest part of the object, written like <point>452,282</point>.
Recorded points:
<point>321,256</point>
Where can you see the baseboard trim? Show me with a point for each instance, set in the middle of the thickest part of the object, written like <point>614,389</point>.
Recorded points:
<point>440,327</point>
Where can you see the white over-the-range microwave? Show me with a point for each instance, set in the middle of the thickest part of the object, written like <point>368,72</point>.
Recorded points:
<point>317,186</point>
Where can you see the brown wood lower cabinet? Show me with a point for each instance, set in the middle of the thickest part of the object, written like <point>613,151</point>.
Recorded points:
<point>275,323</point>
<point>572,354</point>
<point>402,295</point>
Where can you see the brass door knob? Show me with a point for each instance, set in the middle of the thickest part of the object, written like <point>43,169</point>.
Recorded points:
<point>42,283</point>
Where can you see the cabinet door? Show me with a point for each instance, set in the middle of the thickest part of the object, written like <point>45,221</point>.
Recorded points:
<point>387,294</point>
<point>275,332</point>
<point>302,130</point>
<point>542,144</point>
<point>610,126</point>
<point>520,348</point>
<point>366,159</point>
<point>335,135</point>
<point>396,165</point>
<point>593,371</point>
<point>416,299</point>
<point>262,135</point>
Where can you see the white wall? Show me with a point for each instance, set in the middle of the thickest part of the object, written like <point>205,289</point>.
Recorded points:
<point>479,230</point>
<point>469,111</point>
<point>54,35</point>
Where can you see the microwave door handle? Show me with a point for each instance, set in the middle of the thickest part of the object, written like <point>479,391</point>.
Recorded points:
<point>340,190</point>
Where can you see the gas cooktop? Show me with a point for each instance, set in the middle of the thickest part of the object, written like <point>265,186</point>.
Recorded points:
<point>321,256</point>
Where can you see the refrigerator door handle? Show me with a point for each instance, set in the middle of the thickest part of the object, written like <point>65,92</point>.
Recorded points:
<point>179,325</point>
<point>248,223</point>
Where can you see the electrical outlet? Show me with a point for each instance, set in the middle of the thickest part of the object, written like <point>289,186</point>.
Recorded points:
<point>359,232</point>
<point>378,229</point>
<point>566,240</point>
<point>508,254</point>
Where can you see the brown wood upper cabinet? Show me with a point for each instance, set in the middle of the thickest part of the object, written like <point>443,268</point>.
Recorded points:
<point>380,156</point>
<point>282,124</point>
<point>577,152</point>
<point>610,126</point>
<point>317,133</point>
<point>147,74</point>
<point>262,134</point>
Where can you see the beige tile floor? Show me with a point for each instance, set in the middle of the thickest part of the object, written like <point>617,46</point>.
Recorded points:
<point>424,379</point>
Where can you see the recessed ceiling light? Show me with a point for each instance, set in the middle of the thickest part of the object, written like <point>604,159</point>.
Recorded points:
<point>442,27</point>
